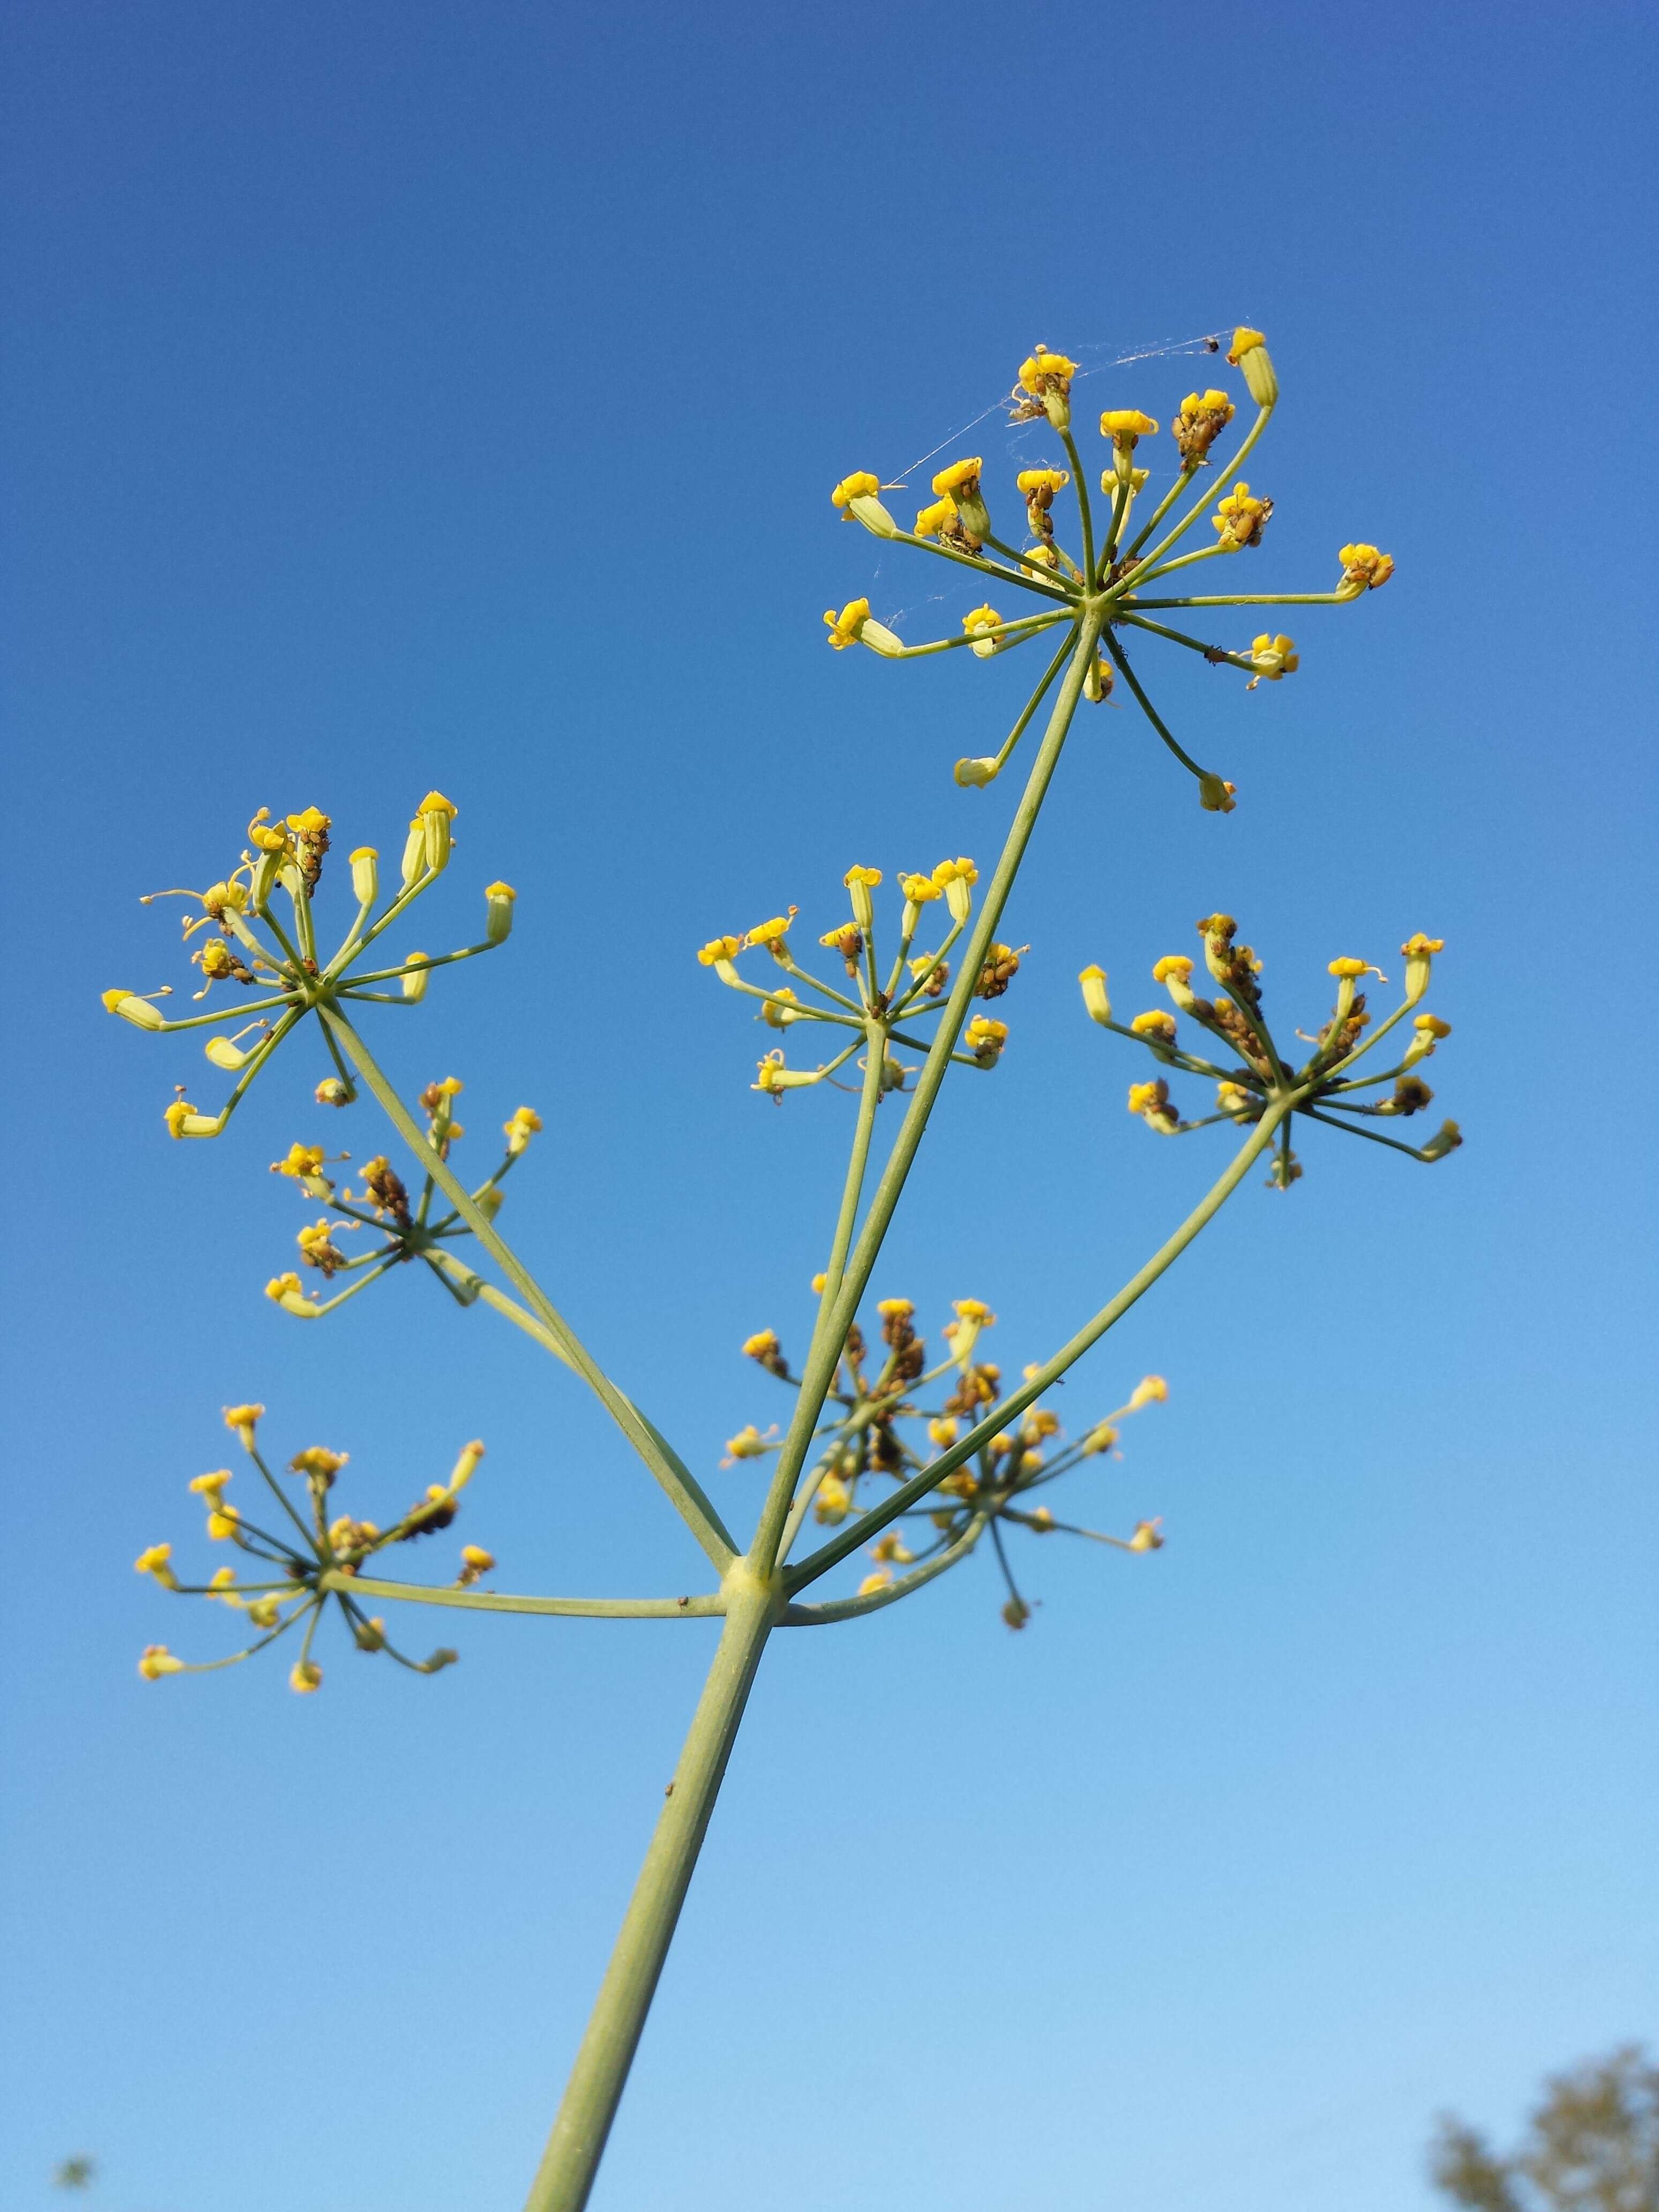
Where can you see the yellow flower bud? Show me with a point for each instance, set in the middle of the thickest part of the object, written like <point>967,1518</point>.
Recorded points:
<point>1148,1536</point>
<point>1156,1027</point>
<point>132,1008</point>
<point>1097,1004</point>
<point>1248,354</point>
<point>499,902</point>
<point>977,624</point>
<point>1150,1390</point>
<point>305,1676</point>
<point>366,875</point>
<point>414,982</point>
<point>1273,658</point>
<point>1419,953</point>
<point>859,882</point>
<point>1125,426</point>
<point>158,1661</point>
<point>154,1561</point>
<point>974,775</point>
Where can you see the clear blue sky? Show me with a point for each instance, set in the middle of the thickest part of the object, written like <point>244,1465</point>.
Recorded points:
<point>412,395</point>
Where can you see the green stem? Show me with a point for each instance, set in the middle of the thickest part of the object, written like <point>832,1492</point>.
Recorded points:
<point>695,1508</point>
<point>858,1161</point>
<point>595,2087</point>
<point>588,1609</point>
<point>834,1323</point>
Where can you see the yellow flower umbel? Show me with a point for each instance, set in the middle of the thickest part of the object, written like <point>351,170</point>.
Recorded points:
<point>305,1564</point>
<point>1331,1084</point>
<point>1122,578</point>
<point>279,961</point>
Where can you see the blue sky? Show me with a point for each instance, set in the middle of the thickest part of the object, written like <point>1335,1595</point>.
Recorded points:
<point>404,396</point>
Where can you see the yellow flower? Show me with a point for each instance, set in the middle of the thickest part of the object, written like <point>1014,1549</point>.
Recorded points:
<point>1043,371</point>
<point>264,836</point>
<point>1148,1536</point>
<point>1364,568</point>
<point>763,1345</point>
<point>955,878</point>
<point>942,1431</point>
<point>920,891</point>
<point>301,1160</point>
<point>316,1460</point>
<point>311,825</point>
<point>878,1581</point>
<point>333,1091</point>
<point>263,1612</point>
<point>1152,1102</point>
<point>475,1561</point>
<point>154,1561</point>
<point>1150,1390</point>
<point>1095,1001</point>
<point>959,481</point>
<point>1432,1025</point>
<point>719,950</point>
<point>834,1501</point>
<point>221,1584</point>
<point>847,626</point>
<point>1100,1438</point>
<point>773,931</point>
<point>1348,970</point>
<point>435,803</point>
<point>1273,658</point>
<point>305,1676</point>
<point>748,1444</point>
<point>1042,483</point>
<point>177,1115</point>
<point>1124,425</point>
<point>527,1123</point>
<point>1215,796</point>
<point>222,1522</point>
<point>242,1420</point>
<point>974,1310</point>
<point>977,624</point>
<point>1233,1098</point>
<point>1203,417</point>
<point>985,1039</point>
<point>1249,353</point>
<point>281,1288</point>
<point>1156,1027</point>
<point>932,520</point>
<point>1174,966</point>
<point>891,1548</point>
<point>158,1661</point>
<point>499,901</point>
<point>1042,1520</point>
<point>1239,519</point>
<point>211,1486</point>
<point>859,485</point>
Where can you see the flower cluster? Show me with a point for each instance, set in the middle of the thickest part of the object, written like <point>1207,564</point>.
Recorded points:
<point>401,1224</point>
<point>314,1554</point>
<point>1321,1085</point>
<point>878,995</point>
<point>252,945</point>
<point>891,1414</point>
<point>1107,576</point>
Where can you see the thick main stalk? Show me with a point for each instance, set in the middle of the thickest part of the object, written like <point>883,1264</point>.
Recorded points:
<point>594,2090</point>
<point>836,1316</point>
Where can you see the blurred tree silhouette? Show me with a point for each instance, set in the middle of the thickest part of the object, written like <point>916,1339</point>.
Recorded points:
<point>1592,2145</point>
